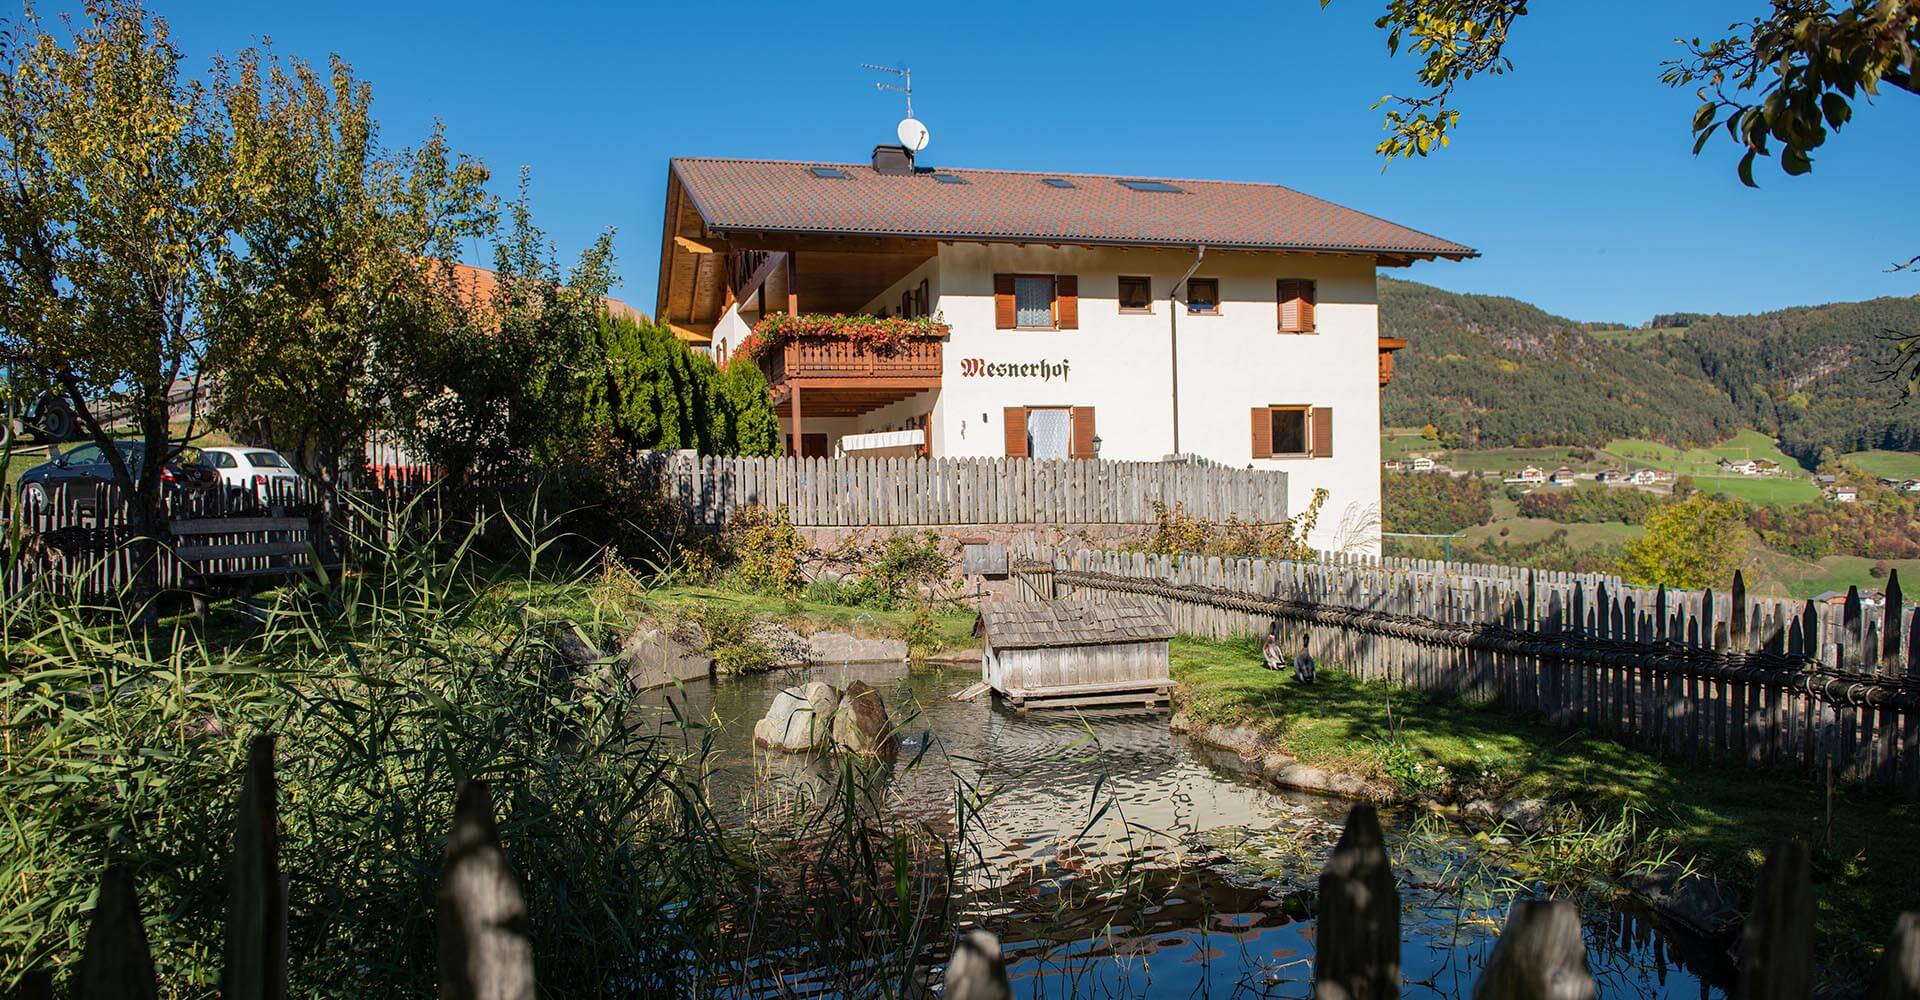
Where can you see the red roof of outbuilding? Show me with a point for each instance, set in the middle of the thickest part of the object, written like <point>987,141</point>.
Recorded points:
<point>1006,205</point>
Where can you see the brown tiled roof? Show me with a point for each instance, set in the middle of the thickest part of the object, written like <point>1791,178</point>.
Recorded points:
<point>1074,622</point>
<point>476,285</point>
<point>1005,205</point>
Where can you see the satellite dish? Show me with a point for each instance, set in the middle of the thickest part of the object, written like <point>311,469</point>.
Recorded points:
<point>913,135</point>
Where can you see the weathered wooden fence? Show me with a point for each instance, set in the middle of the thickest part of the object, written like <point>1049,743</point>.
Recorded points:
<point>84,539</point>
<point>485,951</point>
<point>1701,675</point>
<point>904,492</point>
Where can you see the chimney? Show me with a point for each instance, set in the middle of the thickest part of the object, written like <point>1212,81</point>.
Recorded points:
<point>893,160</point>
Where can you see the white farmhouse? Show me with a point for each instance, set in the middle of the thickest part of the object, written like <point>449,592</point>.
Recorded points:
<point>1080,316</point>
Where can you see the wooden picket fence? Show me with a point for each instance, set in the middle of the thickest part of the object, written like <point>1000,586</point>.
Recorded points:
<point>1699,675</point>
<point>910,492</point>
<point>84,539</point>
<point>485,950</point>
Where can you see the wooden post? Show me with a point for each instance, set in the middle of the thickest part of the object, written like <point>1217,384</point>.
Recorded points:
<point>799,436</point>
<point>1540,955</point>
<point>485,953</point>
<point>1776,946</point>
<point>116,964</point>
<point>256,956</point>
<point>975,972</point>
<point>1357,952</point>
<point>793,283</point>
<point>1898,975</point>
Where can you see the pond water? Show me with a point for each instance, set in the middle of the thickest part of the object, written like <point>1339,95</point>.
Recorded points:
<point>1220,867</point>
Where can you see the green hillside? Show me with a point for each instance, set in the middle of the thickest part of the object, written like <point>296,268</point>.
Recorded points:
<point>1499,372</point>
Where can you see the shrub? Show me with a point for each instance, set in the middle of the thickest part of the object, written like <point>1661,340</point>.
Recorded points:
<point>1177,533</point>
<point>765,551</point>
<point>1695,543</point>
<point>907,565</point>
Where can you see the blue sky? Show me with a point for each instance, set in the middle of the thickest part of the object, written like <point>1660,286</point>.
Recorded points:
<point>1572,174</point>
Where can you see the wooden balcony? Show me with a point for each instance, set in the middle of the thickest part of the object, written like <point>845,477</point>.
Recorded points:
<point>840,377</point>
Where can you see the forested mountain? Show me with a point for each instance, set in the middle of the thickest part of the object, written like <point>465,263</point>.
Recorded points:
<point>1812,376</point>
<point>1499,372</point>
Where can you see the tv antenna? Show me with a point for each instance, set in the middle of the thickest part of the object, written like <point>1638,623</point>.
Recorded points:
<point>905,86</point>
<point>913,134</point>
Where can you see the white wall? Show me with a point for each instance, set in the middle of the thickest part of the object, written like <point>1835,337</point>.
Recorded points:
<point>1119,364</point>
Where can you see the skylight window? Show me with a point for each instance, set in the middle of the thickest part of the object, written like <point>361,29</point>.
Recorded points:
<point>828,173</point>
<point>1159,186</point>
<point>949,178</point>
<point>1056,182</point>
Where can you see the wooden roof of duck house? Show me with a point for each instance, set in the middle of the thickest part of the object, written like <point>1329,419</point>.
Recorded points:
<point>1042,624</point>
<point>1076,653</point>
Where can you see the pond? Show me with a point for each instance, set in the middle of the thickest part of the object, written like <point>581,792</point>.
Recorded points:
<point>1219,868</point>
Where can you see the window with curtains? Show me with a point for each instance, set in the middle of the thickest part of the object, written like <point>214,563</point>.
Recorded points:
<point>1033,301</point>
<point>1049,433</point>
<point>1136,294</point>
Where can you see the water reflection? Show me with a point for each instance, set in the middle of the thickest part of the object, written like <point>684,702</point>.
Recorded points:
<point>1116,859</point>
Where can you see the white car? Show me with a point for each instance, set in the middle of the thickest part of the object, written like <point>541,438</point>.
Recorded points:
<point>258,472</point>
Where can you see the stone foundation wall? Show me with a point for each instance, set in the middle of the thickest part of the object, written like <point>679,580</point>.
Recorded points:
<point>841,549</point>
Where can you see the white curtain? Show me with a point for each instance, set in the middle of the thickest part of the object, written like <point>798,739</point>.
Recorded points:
<point>1033,301</point>
<point>1049,433</point>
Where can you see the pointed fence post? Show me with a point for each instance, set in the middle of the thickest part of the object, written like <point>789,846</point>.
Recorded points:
<point>485,953</point>
<point>1890,625</point>
<point>1898,975</point>
<point>116,964</point>
<point>976,971</point>
<point>1357,931</point>
<point>1540,955</point>
<point>1776,946</point>
<point>256,957</point>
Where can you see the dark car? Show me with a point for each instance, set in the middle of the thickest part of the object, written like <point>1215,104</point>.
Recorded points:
<point>76,471</point>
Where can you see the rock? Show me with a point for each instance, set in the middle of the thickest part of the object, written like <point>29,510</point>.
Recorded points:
<point>840,647</point>
<point>1527,815</point>
<point>1704,905</point>
<point>970,655</point>
<point>1481,811</point>
<point>789,648</point>
<point>1312,779</point>
<point>799,720</point>
<point>861,725</point>
<point>652,659</point>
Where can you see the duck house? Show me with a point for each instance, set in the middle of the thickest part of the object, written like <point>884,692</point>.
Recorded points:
<point>1075,653</point>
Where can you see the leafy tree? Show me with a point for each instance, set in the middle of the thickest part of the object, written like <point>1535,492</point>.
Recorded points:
<point>117,210</point>
<point>1433,504</point>
<point>496,384</point>
<point>332,292</point>
<point>1693,544</point>
<point>1789,75</point>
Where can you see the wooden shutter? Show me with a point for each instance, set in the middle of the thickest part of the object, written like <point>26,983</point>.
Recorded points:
<point>1082,445</point>
<point>1003,315</point>
<point>1262,432</point>
<point>1016,424</point>
<point>1295,305</point>
<point>1323,432</point>
<point>1066,302</point>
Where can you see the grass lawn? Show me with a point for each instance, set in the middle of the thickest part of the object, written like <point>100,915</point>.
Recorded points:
<point>1533,529</point>
<point>1723,818</point>
<point>1778,491</point>
<point>1704,461</point>
<point>1780,573</point>
<point>1887,464</point>
<point>1399,442</point>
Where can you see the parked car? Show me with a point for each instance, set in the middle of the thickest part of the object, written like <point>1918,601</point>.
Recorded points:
<point>259,473</point>
<point>85,466</point>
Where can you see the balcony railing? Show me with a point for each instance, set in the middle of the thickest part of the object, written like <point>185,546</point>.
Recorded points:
<point>840,357</point>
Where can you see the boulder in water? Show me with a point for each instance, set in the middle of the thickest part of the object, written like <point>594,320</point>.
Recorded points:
<point>860,725</point>
<point>800,720</point>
